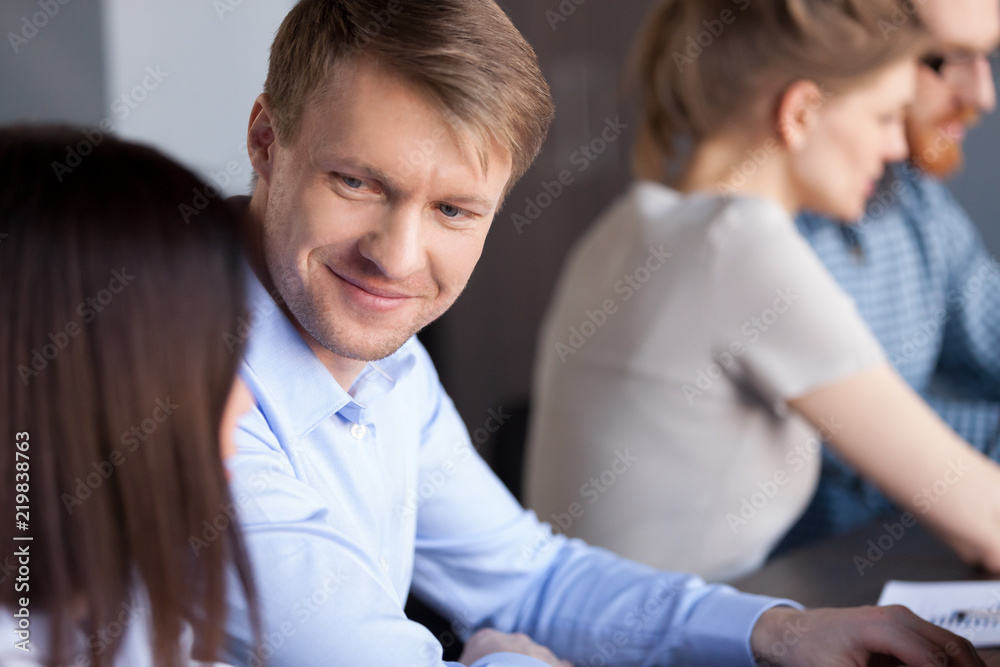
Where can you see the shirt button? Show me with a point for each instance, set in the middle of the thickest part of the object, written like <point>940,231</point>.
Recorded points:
<point>358,431</point>
<point>384,563</point>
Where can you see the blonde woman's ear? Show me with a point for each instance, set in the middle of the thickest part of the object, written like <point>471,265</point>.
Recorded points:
<point>797,113</point>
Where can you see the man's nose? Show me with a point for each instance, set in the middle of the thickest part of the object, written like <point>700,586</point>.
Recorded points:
<point>395,245</point>
<point>978,90</point>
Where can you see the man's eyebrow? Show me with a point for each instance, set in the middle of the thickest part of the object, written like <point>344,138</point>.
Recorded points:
<point>986,47</point>
<point>363,168</point>
<point>471,200</point>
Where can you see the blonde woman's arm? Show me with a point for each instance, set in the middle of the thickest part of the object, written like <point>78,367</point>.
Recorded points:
<point>882,428</point>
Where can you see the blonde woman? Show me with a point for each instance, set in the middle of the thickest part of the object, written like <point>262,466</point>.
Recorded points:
<point>696,351</point>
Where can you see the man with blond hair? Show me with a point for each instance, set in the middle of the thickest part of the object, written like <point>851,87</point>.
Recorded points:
<point>386,139</point>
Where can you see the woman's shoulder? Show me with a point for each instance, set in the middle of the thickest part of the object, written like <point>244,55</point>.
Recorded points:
<point>649,213</point>
<point>742,215</point>
<point>657,205</point>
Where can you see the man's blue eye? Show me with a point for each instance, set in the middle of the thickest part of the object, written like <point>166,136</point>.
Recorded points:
<point>450,211</point>
<point>352,182</point>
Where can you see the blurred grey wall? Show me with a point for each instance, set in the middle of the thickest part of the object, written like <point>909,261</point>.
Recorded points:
<point>54,72</point>
<point>79,61</point>
<point>179,74</point>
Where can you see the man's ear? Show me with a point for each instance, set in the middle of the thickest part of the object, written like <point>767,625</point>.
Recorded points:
<point>262,138</point>
<point>797,113</point>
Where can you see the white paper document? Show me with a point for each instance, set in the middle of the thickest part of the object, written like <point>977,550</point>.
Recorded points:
<point>967,608</point>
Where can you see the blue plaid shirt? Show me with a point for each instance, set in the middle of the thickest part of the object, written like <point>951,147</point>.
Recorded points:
<point>930,292</point>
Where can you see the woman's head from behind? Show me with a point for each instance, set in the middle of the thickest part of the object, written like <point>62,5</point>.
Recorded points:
<point>815,90</point>
<point>115,364</point>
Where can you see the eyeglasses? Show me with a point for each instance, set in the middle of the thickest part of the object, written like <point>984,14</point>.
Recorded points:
<point>951,66</point>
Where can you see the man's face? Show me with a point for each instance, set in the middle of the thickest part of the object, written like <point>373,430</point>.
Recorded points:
<point>376,214</point>
<point>952,99</point>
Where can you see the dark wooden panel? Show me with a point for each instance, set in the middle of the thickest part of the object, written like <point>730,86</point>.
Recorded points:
<point>484,346</point>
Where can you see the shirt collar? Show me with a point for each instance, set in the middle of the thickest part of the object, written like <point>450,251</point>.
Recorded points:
<point>293,377</point>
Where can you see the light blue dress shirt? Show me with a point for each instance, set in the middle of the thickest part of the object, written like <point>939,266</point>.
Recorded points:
<point>929,290</point>
<point>349,499</point>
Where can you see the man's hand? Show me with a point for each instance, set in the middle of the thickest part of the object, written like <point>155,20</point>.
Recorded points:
<point>489,641</point>
<point>851,637</point>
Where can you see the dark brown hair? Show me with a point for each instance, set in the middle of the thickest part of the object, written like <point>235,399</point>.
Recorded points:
<point>465,54</point>
<point>702,64</point>
<point>112,360</point>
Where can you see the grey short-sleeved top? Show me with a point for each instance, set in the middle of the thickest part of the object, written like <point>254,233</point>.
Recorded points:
<point>680,327</point>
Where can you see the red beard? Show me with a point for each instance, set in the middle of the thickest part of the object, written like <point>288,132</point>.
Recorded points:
<point>932,149</point>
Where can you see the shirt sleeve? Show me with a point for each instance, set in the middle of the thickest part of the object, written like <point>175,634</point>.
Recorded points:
<point>786,328</point>
<point>320,599</point>
<point>483,561</point>
<point>970,352</point>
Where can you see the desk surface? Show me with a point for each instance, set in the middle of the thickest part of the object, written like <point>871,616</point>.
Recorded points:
<point>850,570</point>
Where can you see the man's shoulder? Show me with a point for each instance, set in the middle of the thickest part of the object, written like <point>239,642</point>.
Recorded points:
<point>924,198</point>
